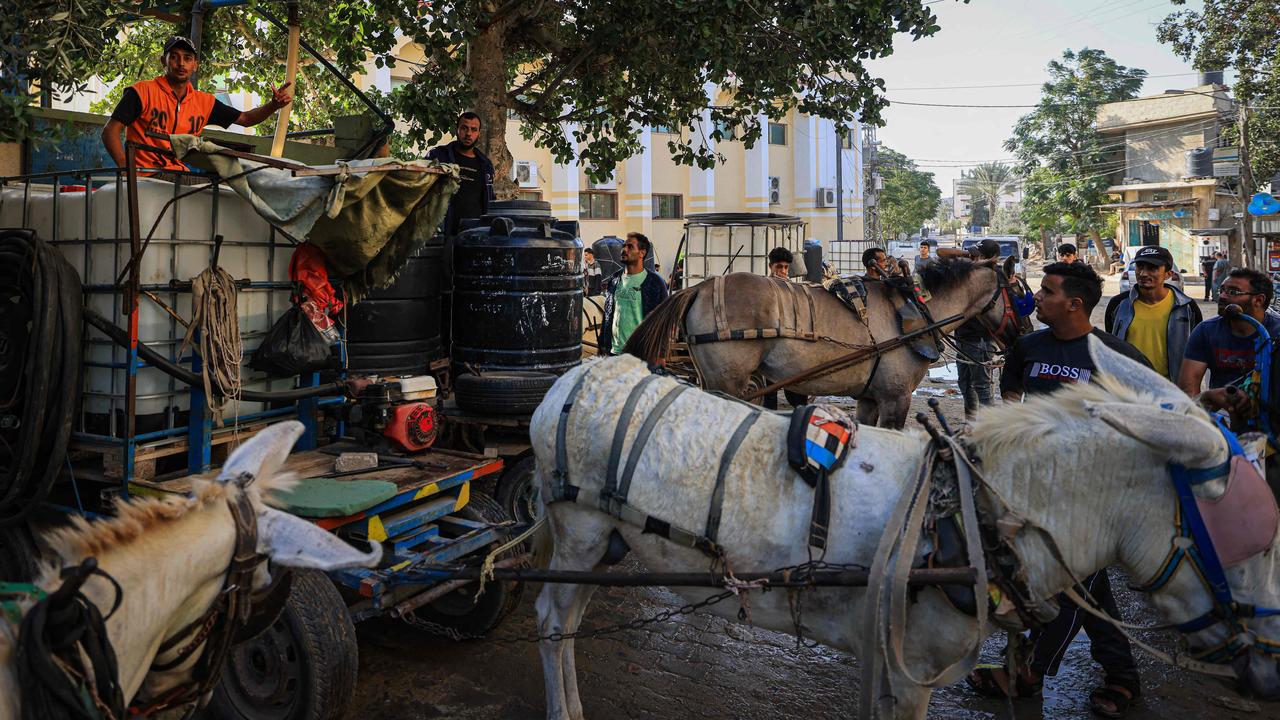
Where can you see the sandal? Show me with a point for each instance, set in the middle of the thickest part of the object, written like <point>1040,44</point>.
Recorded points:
<point>983,681</point>
<point>1115,698</point>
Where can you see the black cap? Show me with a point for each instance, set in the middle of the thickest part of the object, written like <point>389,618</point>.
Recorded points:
<point>1154,255</point>
<point>177,41</point>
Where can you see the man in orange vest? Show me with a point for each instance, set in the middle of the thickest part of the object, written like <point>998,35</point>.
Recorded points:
<point>168,105</point>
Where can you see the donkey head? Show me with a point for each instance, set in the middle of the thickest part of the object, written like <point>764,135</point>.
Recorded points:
<point>286,540</point>
<point>1178,429</point>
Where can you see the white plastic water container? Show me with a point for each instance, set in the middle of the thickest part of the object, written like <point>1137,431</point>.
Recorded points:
<point>181,247</point>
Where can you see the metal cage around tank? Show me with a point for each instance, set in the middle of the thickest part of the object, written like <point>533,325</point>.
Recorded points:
<point>131,262</point>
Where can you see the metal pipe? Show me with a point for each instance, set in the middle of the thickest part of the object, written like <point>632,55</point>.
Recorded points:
<point>443,589</point>
<point>918,577</point>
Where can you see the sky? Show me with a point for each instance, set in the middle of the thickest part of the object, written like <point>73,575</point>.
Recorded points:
<point>1004,42</point>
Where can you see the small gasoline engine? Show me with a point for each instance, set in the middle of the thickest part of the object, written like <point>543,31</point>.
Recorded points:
<point>396,414</point>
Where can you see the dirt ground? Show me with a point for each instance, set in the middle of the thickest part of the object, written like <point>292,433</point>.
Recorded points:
<point>706,667</point>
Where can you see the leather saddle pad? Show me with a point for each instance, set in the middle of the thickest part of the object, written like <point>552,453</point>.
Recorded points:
<point>1242,522</point>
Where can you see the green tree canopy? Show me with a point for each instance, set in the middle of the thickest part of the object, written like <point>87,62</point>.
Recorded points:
<point>52,45</point>
<point>1059,135</point>
<point>986,183</point>
<point>910,197</point>
<point>1241,35</point>
<point>592,73</point>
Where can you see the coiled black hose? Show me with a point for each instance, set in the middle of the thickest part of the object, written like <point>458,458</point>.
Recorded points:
<point>120,337</point>
<point>40,368</point>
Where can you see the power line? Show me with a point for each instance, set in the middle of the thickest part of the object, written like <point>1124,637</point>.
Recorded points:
<point>1011,85</point>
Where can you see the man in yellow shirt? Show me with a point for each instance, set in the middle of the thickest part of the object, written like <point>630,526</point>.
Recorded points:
<point>1154,317</point>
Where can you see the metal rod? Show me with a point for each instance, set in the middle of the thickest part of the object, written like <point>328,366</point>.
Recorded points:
<point>443,589</point>
<point>820,578</point>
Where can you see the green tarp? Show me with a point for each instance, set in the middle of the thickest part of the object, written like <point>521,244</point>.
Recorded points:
<point>367,223</point>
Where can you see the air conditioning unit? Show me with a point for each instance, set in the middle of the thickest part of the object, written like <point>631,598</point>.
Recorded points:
<point>826,197</point>
<point>775,190</point>
<point>525,173</point>
<point>610,184</point>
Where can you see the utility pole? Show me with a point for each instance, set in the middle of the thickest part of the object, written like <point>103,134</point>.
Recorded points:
<point>1246,188</point>
<point>870,185</point>
<point>840,137</point>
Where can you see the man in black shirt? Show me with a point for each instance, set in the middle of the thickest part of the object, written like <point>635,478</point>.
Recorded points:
<point>473,197</point>
<point>1042,362</point>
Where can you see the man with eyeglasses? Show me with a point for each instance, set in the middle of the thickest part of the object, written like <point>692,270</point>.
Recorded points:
<point>1224,346</point>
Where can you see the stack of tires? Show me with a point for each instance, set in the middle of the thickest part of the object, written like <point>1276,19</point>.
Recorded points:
<point>516,309</point>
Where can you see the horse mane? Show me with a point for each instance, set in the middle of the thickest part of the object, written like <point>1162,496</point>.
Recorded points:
<point>84,538</point>
<point>652,338</point>
<point>943,274</point>
<point>1002,428</point>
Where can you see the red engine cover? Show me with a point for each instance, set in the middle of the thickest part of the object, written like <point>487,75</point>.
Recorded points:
<point>413,426</point>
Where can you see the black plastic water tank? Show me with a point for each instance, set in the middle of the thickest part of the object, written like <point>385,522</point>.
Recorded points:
<point>396,330</point>
<point>517,292</point>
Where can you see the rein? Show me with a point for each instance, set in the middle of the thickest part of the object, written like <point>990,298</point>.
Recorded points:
<point>215,631</point>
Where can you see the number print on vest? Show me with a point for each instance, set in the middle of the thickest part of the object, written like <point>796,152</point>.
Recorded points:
<point>159,120</point>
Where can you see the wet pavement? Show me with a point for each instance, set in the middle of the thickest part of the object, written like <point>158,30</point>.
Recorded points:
<point>706,667</point>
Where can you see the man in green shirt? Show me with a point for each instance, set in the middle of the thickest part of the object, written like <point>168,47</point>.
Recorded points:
<point>630,295</point>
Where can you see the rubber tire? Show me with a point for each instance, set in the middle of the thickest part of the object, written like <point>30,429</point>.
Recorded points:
<point>314,636</point>
<point>507,392</point>
<point>19,555</point>
<point>518,490</point>
<point>500,598</point>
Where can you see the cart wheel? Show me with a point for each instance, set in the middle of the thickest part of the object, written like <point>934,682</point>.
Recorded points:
<point>303,667</point>
<point>460,610</point>
<point>518,491</point>
<point>19,557</point>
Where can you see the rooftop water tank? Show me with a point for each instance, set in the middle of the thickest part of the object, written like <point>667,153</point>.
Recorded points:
<point>1199,163</point>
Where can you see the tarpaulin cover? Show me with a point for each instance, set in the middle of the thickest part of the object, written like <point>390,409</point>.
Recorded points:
<point>367,223</point>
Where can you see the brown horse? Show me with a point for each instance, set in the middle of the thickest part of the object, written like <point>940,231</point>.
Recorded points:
<point>791,328</point>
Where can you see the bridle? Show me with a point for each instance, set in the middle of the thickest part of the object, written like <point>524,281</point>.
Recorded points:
<point>1006,332</point>
<point>1194,545</point>
<point>215,631</point>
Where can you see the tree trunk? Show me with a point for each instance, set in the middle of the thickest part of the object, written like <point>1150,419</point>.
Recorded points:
<point>1044,244</point>
<point>488,70</point>
<point>1100,248</point>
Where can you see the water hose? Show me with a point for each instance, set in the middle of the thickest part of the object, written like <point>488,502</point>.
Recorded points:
<point>162,363</point>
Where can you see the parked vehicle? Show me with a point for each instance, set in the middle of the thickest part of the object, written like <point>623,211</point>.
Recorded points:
<point>1010,246</point>
<point>1127,277</point>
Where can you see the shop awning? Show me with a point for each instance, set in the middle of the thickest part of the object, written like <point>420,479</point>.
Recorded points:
<point>1211,231</point>
<point>1149,204</point>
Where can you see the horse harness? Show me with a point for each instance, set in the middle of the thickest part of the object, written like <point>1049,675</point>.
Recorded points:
<point>1194,545</point>
<point>216,630</point>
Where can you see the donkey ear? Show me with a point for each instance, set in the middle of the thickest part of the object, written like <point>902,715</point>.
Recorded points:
<point>1134,374</point>
<point>1183,438</point>
<point>1010,265</point>
<point>294,542</point>
<point>263,454</point>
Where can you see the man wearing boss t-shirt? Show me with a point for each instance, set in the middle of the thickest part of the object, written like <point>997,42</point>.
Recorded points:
<point>1042,362</point>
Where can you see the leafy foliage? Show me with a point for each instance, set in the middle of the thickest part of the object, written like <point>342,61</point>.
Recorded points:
<point>987,182</point>
<point>1241,35</point>
<point>49,44</point>
<point>1058,139</point>
<point>240,51</point>
<point>910,197</point>
<point>584,77</point>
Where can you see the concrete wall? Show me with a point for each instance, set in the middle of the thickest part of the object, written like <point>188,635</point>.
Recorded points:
<point>1154,109</point>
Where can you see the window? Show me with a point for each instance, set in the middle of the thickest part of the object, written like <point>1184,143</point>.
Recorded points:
<point>1159,195</point>
<point>665,129</point>
<point>529,195</point>
<point>668,207</point>
<point>846,141</point>
<point>777,134</point>
<point>727,131</point>
<point>597,206</point>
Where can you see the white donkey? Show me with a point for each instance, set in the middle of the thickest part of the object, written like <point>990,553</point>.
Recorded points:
<point>170,558</point>
<point>1087,465</point>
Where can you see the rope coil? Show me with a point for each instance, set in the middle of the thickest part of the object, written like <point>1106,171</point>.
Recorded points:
<point>215,317</point>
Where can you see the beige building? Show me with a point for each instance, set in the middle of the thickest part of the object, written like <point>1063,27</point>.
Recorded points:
<point>1159,202</point>
<point>791,171</point>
